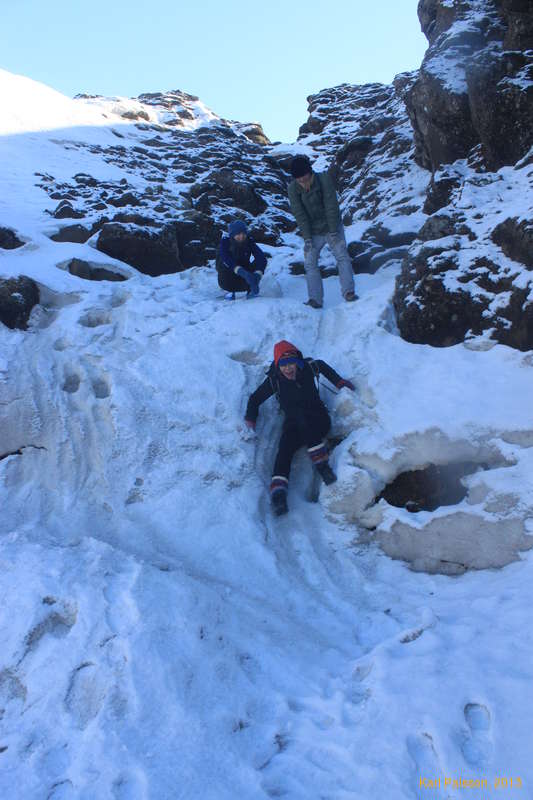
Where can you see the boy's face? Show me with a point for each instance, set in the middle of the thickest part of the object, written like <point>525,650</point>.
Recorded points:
<point>240,237</point>
<point>305,181</point>
<point>289,371</point>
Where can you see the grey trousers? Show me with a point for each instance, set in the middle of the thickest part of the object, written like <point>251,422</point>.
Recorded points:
<point>337,244</point>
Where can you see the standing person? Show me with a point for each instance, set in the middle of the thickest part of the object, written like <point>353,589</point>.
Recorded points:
<point>240,262</point>
<point>315,206</point>
<point>292,379</point>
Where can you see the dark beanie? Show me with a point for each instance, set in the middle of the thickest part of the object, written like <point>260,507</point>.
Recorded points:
<point>300,166</point>
<point>237,226</point>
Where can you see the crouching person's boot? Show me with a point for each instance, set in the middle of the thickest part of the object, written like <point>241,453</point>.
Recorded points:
<point>278,495</point>
<point>326,473</point>
<point>319,457</point>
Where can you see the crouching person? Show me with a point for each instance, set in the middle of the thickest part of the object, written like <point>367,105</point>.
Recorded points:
<point>240,262</point>
<point>291,378</point>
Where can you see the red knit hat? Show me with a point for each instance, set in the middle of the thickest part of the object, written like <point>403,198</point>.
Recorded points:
<point>284,348</point>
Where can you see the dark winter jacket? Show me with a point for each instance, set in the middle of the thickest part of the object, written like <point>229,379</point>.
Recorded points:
<point>297,398</point>
<point>316,211</point>
<point>233,254</point>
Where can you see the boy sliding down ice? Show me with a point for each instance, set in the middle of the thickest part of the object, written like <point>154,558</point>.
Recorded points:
<point>292,379</point>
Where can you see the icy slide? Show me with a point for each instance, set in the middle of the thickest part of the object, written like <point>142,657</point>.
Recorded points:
<point>166,637</point>
<point>162,637</point>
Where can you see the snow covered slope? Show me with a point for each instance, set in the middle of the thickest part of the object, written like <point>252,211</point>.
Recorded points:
<point>162,635</point>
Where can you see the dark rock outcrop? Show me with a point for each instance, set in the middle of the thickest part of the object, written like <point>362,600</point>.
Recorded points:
<point>92,272</point>
<point>516,240</point>
<point>440,190</point>
<point>198,178</point>
<point>472,104</point>
<point>154,253</point>
<point>17,298</point>
<point>426,311</point>
<point>66,211</point>
<point>9,239</point>
<point>474,85</point>
<point>500,92</point>
<point>77,234</point>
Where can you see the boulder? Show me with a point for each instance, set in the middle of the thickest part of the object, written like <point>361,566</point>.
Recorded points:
<point>440,116</point>
<point>92,272</point>
<point>500,91</point>
<point>66,211</point>
<point>9,239</point>
<point>440,226</point>
<point>440,190</point>
<point>242,193</point>
<point>77,234</point>
<point>152,252</point>
<point>126,199</point>
<point>516,240</point>
<point>189,241</point>
<point>427,312</point>
<point>197,236</point>
<point>519,20</point>
<point>353,153</point>
<point>17,298</point>
<point>255,133</point>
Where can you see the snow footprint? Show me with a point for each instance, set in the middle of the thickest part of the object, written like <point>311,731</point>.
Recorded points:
<point>247,357</point>
<point>71,381</point>
<point>95,317</point>
<point>101,387</point>
<point>86,694</point>
<point>64,790</point>
<point>422,750</point>
<point>131,786</point>
<point>56,623</point>
<point>477,745</point>
<point>359,692</point>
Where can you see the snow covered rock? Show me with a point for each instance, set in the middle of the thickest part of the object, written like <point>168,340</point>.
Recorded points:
<point>455,543</point>
<point>151,252</point>
<point>515,237</point>
<point>9,239</point>
<point>175,171</point>
<point>17,298</point>
<point>472,104</point>
<point>474,86</point>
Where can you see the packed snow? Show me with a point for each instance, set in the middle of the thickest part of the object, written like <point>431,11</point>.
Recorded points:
<point>163,635</point>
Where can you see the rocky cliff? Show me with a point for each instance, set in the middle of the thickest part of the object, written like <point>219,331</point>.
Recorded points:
<point>184,173</point>
<point>471,106</point>
<point>442,161</point>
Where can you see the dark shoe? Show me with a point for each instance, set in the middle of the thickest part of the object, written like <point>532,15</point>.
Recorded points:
<point>326,473</point>
<point>279,502</point>
<point>350,297</point>
<point>313,303</point>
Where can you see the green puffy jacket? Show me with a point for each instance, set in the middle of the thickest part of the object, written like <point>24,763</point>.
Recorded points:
<point>316,211</point>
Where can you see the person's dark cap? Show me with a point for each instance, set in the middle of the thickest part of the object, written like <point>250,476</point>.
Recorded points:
<point>300,166</point>
<point>237,226</point>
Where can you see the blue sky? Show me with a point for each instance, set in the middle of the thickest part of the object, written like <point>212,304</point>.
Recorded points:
<point>247,61</point>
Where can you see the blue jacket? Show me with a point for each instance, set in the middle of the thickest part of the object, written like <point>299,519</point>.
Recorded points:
<point>232,255</point>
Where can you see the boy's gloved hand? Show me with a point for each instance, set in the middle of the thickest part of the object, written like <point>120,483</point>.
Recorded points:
<point>251,279</point>
<point>345,384</point>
